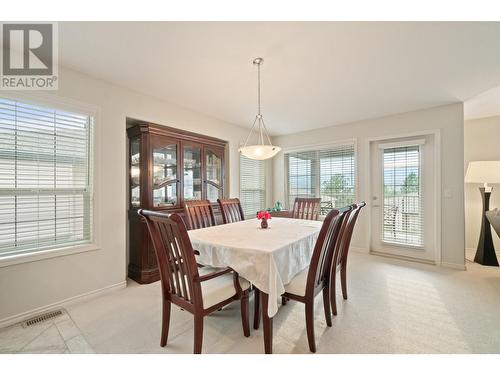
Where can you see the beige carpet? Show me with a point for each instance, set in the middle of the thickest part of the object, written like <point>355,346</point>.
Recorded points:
<point>393,307</point>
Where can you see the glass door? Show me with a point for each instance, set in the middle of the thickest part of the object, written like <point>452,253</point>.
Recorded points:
<point>403,189</point>
<point>165,178</point>
<point>135,172</point>
<point>214,181</point>
<point>192,185</point>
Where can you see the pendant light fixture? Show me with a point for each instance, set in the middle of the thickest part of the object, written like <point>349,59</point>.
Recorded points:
<point>261,150</point>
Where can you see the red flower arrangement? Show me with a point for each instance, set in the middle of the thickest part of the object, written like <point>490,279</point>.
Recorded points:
<point>264,216</point>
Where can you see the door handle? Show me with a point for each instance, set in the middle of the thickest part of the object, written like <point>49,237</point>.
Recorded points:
<point>375,205</point>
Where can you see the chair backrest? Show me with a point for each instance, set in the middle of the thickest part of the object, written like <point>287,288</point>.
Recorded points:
<point>347,235</point>
<point>326,245</point>
<point>199,214</point>
<point>306,208</point>
<point>231,210</point>
<point>175,257</point>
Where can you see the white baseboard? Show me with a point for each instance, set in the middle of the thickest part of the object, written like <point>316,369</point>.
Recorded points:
<point>402,257</point>
<point>470,253</point>
<point>65,302</point>
<point>359,249</point>
<point>455,266</point>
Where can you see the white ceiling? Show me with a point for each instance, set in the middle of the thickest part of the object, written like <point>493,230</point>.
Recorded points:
<point>486,104</point>
<point>315,74</point>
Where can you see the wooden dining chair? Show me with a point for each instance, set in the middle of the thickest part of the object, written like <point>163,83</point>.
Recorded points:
<point>306,208</point>
<point>306,285</point>
<point>199,214</point>
<point>231,210</point>
<point>340,263</point>
<point>199,291</point>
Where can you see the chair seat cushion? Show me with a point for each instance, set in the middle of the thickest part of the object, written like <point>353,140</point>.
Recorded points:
<point>298,284</point>
<point>219,288</point>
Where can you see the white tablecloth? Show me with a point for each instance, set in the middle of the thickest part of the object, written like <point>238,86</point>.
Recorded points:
<point>268,258</point>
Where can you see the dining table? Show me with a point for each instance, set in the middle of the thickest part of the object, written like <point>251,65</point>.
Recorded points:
<point>268,258</point>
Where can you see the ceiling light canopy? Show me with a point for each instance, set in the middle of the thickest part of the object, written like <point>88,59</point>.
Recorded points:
<point>261,150</point>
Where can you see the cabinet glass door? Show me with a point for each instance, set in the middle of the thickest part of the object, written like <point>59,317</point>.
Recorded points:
<point>165,177</point>
<point>214,179</point>
<point>135,172</point>
<point>192,172</point>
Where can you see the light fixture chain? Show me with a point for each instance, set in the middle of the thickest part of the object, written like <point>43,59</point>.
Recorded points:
<point>265,130</point>
<point>251,131</point>
<point>261,120</point>
<point>258,85</point>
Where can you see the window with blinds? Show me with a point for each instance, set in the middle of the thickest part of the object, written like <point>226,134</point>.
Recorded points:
<point>45,178</point>
<point>252,186</point>
<point>329,174</point>
<point>403,216</point>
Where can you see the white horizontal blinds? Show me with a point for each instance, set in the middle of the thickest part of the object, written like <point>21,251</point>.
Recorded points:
<point>337,176</point>
<point>403,215</point>
<point>252,186</point>
<point>302,175</point>
<point>329,174</point>
<point>45,178</point>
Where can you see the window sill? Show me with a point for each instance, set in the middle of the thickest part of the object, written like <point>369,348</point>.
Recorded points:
<point>45,254</point>
<point>406,246</point>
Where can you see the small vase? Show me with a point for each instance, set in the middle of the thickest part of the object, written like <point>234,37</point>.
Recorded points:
<point>263,223</point>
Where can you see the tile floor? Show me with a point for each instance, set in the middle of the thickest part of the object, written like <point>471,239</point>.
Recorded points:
<point>393,307</point>
<point>58,335</point>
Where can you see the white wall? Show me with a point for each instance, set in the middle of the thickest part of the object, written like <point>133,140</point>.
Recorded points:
<point>29,286</point>
<point>449,119</point>
<point>481,143</point>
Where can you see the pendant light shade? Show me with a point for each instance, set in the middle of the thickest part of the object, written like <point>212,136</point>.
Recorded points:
<point>261,150</point>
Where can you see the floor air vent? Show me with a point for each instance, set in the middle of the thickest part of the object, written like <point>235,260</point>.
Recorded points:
<point>42,318</point>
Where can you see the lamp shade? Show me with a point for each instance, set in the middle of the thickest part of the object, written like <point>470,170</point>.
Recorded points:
<point>481,172</point>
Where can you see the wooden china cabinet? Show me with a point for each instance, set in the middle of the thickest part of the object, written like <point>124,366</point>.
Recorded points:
<point>167,167</point>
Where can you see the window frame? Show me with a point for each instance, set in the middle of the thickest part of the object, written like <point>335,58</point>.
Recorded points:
<point>265,190</point>
<point>64,104</point>
<point>321,147</point>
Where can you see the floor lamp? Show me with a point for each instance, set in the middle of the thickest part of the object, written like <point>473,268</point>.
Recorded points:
<point>484,172</point>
